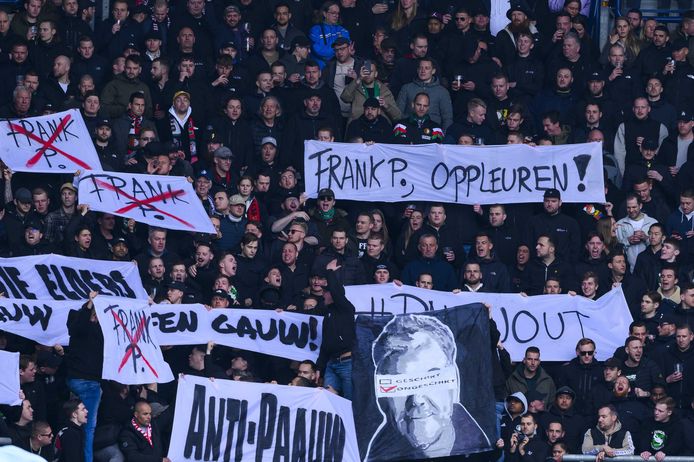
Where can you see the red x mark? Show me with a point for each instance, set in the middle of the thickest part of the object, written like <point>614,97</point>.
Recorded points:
<point>145,203</point>
<point>133,343</point>
<point>48,144</point>
<point>388,389</point>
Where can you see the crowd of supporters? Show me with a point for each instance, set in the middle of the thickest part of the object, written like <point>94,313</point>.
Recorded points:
<point>226,92</point>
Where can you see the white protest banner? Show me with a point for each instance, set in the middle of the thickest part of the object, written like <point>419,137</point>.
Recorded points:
<point>54,277</point>
<point>54,143</point>
<point>287,335</point>
<point>158,200</point>
<point>9,379</point>
<point>226,420</point>
<point>43,321</point>
<point>16,454</point>
<point>554,323</point>
<point>131,349</point>
<point>457,174</point>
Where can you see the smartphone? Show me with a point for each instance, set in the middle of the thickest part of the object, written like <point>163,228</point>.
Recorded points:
<point>367,66</point>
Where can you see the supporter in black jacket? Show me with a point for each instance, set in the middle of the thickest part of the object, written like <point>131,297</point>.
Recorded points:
<point>582,374</point>
<point>561,228</point>
<point>661,436</point>
<point>338,334</point>
<point>563,410</point>
<point>547,265</point>
<point>135,446</point>
<point>371,125</point>
<point>71,441</point>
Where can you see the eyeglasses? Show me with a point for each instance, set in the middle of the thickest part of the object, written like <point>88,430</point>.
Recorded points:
<point>335,13</point>
<point>294,231</point>
<point>461,18</point>
<point>587,353</point>
<point>147,139</point>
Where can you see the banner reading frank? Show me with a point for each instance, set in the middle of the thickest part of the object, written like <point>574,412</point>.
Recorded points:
<point>425,385</point>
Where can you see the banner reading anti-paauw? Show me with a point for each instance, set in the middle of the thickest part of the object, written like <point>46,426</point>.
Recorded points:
<point>131,349</point>
<point>158,200</point>
<point>286,335</point>
<point>554,323</point>
<point>457,174</point>
<point>425,384</point>
<point>54,143</point>
<point>54,277</point>
<point>239,421</point>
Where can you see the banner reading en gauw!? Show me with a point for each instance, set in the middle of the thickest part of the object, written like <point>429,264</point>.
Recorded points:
<point>223,420</point>
<point>158,200</point>
<point>456,174</point>
<point>425,384</point>
<point>286,335</point>
<point>54,143</point>
<point>54,277</point>
<point>554,323</point>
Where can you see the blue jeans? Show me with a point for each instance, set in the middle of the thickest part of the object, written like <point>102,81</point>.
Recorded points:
<point>89,391</point>
<point>338,374</point>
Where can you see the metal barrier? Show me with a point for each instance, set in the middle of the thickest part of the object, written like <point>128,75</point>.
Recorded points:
<point>591,458</point>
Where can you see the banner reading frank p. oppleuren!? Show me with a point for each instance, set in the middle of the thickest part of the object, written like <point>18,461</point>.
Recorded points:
<point>455,174</point>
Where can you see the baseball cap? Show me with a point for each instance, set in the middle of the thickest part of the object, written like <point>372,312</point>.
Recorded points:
<point>23,195</point>
<point>437,16</point>
<point>177,285</point>
<point>69,186</point>
<point>237,199</point>
<point>566,391</point>
<point>552,194</point>
<point>181,93</point>
<point>326,192</point>
<point>613,362</point>
<point>223,152</point>
<point>103,123</point>
<point>685,116</point>
<point>268,140</point>
<point>221,294</point>
<point>666,318</point>
<point>596,75</point>
<point>34,223</point>
<point>204,174</point>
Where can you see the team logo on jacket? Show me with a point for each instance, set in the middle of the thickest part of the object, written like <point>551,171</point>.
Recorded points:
<point>658,440</point>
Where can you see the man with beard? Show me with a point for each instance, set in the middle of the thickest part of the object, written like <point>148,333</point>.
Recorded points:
<point>608,438</point>
<point>519,15</point>
<point>643,373</point>
<point>633,411</point>
<point>117,93</point>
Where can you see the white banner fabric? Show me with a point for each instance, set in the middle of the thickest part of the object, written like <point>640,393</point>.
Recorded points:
<point>286,335</point>
<point>43,321</point>
<point>240,421</point>
<point>9,379</point>
<point>553,323</point>
<point>164,201</point>
<point>454,174</point>
<point>55,143</point>
<point>131,349</point>
<point>54,277</point>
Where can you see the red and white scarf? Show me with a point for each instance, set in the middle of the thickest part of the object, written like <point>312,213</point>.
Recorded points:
<point>146,431</point>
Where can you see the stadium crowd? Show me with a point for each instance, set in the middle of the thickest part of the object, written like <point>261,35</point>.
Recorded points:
<point>226,92</point>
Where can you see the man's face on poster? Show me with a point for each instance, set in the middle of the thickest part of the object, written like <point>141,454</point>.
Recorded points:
<point>423,417</point>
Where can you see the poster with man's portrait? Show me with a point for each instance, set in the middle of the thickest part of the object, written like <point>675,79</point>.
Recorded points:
<point>423,384</point>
